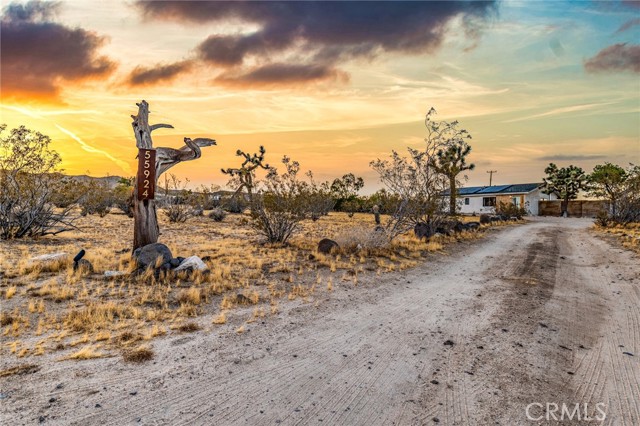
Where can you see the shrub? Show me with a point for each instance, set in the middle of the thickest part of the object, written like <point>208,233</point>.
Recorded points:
<point>603,219</point>
<point>97,198</point>
<point>122,196</point>
<point>28,182</point>
<point>510,210</point>
<point>282,205</point>
<point>177,205</point>
<point>236,204</point>
<point>217,214</point>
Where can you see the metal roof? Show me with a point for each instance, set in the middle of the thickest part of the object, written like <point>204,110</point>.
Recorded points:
<point>518,188</point>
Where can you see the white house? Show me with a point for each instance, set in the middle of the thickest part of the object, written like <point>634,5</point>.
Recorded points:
<point>483,199</point>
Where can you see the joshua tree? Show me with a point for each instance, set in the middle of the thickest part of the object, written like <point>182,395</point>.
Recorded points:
<point>245,174</point>
<point>565,182</point>
<point>451,161</point>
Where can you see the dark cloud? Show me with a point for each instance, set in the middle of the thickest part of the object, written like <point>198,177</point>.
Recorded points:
<point>144,76</point>
<point>619,57</point>
<point>38,53</point>
<point>274,75</point>
<point>562,157</point>
<point>318,34</point>
<point>629,24</point>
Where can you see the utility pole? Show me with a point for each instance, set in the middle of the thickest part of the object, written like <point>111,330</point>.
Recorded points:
<point>491,172</point>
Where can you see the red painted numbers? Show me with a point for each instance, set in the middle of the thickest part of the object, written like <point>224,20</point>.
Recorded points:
<point>146,174</point>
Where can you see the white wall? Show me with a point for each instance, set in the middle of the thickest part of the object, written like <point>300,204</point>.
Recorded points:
<point>475,205</point>
<point>475,202</point>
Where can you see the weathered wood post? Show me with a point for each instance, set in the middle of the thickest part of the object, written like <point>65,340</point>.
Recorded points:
<point>152,163</point>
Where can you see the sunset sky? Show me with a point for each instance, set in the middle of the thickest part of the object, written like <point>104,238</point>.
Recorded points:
<point>331,84</point>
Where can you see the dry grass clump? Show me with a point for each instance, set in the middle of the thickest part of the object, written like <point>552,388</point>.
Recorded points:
<point>220,319</point>
<point>188,327</point>
<point>138,355</point>
<point>87,352</point>
<point>191,296</point>
<point>96,316</point>
<point>20,370</point>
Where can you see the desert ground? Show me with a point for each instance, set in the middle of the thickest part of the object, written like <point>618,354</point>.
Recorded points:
<point>470,334</point>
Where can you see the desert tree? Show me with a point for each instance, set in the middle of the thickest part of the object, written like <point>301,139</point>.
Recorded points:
<point>345,192</point>
<point>628,204</point>
<point>281,203</point>
<point>414,190</point>
<point>243,177</point>
<point>607,181</point>
<point>451,161</point>
<point>451,154</point>
<point>146,228</point>
<point>415,183</point>
<point>29,178</point>
<point>565,182</point>
<point>319,197</point>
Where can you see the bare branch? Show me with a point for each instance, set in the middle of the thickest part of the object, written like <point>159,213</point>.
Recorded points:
<point>159,126</point>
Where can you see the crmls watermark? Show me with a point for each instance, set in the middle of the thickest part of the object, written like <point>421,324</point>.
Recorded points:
<point>566,412</point>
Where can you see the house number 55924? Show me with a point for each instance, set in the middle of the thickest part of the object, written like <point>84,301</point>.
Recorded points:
<point>146,174</point>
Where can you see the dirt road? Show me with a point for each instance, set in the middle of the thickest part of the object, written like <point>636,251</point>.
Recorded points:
<point>541,313</point>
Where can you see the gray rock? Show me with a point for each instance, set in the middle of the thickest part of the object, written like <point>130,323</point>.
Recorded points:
<point>471,226</point>
<point>422,230</point>
<point>193,263</point>
<point>326,246</point>
<point>111,274</point>
<point>84,266</point>
<point>485,219</point>
<point>146,256</point>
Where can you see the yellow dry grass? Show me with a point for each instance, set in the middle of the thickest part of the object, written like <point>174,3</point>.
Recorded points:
<point>628,235</point>
<point>52,308</point>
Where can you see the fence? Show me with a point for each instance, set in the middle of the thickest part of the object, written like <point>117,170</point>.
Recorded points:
<point>576,208</point>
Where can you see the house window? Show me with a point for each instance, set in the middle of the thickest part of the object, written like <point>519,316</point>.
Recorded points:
<point>488,201</point>
<point>466,201</point>
<point>516,201</point>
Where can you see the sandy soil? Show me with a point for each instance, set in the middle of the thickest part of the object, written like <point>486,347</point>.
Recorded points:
<point>546,312</point>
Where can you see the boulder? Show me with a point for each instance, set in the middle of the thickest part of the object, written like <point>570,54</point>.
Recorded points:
<point>84,266</point>
<point>485,219</point>
<point>111,274</point>
<point>471,226</point>
<point>326,246</point>
<point>193,263</point>
<point>422,230</point>
<point>175,262</point>
<point>146,256</point>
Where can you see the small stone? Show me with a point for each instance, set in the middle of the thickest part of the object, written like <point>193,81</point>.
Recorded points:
<point>435,382</point>
<point>98,406</point>
<point>448,343</point>
<point>52,400</point>
<point>133,393</point>
<point>627,353</point>
<point>193,263</point>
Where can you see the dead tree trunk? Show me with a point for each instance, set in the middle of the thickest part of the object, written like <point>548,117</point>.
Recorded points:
<point>146,229</point>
